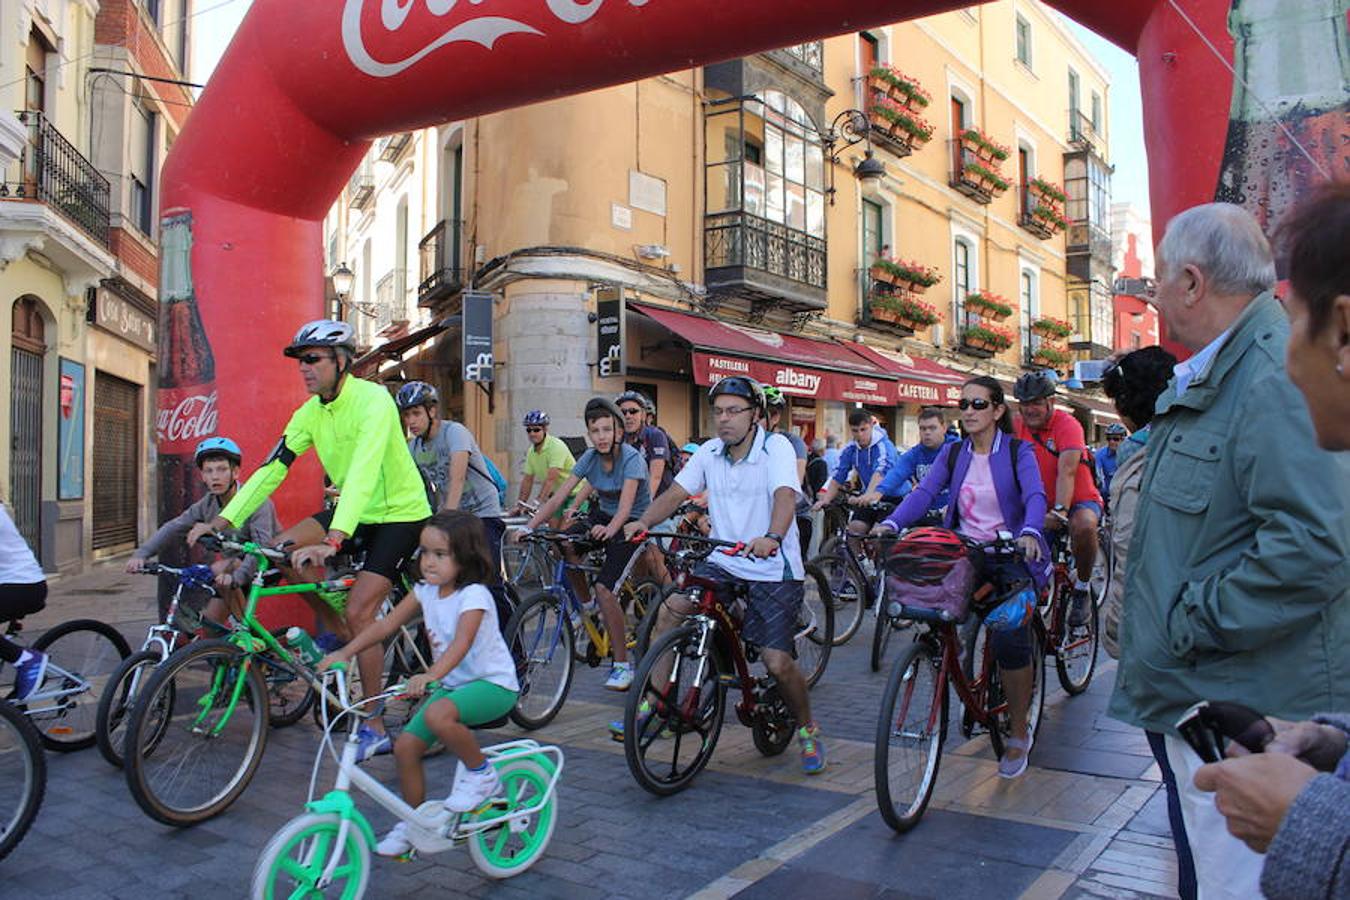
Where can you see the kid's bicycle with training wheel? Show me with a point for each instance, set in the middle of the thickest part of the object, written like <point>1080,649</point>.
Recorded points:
<point>326,850</point>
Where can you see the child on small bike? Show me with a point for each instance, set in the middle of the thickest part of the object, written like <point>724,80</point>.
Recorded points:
<point>473,680</point>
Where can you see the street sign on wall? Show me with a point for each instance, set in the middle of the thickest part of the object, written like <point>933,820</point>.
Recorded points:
<point>609,332</point>
<point>476,335</point>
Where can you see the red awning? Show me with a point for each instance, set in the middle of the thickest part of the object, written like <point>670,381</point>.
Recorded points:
<point>800,366</point>
<point>918,380</point>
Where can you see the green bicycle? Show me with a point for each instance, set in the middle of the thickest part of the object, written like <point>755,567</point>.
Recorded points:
<point>198,729</point>
<point>326,850</point>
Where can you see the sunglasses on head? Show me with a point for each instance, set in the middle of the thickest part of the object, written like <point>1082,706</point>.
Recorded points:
<point>312,359</point>
<point>979,403</point>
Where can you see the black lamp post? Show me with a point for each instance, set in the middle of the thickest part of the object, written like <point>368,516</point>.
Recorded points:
<point>851,127</point>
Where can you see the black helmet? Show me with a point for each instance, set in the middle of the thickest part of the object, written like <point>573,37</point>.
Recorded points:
<point>601,406</point>
<point>1035,385</point>
<point>416,393</point>
<point>323,333</point>
<point>739,386</point>
<point>636,397</point>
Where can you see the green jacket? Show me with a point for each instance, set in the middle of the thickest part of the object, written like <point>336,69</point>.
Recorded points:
<point>1236,582</point>
<point>359,439</point>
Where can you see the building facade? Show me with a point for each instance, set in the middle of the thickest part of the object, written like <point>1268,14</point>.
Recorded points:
<point>725,211</point>
<point>94,97</point>
<point>1136,316</point>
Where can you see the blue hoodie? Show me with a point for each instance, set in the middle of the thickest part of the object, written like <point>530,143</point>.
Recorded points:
<point>910,470</point>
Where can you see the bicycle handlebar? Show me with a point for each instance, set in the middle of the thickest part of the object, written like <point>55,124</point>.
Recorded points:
<point>727,548</point>
<point>222,544</point>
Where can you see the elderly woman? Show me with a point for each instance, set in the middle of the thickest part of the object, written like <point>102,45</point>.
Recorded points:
<point>1292,802</point>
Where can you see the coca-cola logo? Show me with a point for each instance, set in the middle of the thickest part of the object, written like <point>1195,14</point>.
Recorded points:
<point>192,418</point>
<point>483,30</point>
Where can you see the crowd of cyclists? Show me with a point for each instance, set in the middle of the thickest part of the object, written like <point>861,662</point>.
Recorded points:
<point>405,485</point>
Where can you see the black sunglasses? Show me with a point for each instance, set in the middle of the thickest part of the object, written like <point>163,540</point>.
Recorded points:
<point>533,430</point>
<point>313,359</point>
<point>979,403</point>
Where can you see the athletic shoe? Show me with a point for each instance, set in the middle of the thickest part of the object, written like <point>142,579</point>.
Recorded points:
<point>813,750</point>
<point>29,672</point>
<point>1079,604</point>
<point>620,677</point>
<point>643,714</point>
<point>472,789</point>
<point>396,842</point>
<point>371,743</point>
<point>1012,768</point>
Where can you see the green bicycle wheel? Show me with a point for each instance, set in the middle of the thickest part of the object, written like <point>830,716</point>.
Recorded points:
<point>514,846</point>
<point>293,862</point>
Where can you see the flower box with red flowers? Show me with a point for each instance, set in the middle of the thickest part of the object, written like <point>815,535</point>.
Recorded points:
<point>989,305</point>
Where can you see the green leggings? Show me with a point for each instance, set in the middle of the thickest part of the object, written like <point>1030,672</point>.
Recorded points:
<point>478,702</point>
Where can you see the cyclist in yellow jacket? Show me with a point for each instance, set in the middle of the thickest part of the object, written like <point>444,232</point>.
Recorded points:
<point>354,427</point>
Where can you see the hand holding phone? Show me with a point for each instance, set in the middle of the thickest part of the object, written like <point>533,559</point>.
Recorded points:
<point>1209,725</point>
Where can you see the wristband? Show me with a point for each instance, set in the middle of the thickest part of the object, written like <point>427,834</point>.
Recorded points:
<point>773,536</point>
<point>1059,508</point>
<point>334,542</point>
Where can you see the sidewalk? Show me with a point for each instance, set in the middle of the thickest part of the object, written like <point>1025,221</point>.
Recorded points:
<point>104,592</point>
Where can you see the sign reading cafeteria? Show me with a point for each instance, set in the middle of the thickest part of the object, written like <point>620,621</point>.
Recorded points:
<point>800,381</point>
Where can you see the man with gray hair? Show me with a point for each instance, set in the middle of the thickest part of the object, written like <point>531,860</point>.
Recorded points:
<point>1236,583</point>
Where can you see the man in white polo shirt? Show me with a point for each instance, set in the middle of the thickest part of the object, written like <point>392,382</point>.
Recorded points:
<point>749,476</point>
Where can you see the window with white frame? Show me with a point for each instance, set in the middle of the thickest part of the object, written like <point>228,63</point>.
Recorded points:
<point>1023,29</point>
<point>964,276</point>
<point>1029,307</point>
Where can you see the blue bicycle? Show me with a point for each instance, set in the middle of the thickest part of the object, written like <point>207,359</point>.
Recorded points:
<point>553,629</point>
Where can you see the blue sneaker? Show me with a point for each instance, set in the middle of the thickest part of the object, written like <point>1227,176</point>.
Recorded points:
<point>28,674</point>
<point>813,750</point>
<point>371,743</point>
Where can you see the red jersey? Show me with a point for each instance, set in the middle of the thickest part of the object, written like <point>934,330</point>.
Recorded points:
<point>1060,434</point>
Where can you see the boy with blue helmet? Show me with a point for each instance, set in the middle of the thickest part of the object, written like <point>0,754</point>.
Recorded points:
<point>218,459</point>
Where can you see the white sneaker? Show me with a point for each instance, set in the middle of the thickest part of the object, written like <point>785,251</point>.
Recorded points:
<point>620,677</point>
<point>396,842</point>
<point>472,789</point>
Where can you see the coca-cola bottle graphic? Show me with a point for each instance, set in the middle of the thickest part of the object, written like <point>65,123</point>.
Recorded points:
<point>187,371</point>
<point>1287,126</point>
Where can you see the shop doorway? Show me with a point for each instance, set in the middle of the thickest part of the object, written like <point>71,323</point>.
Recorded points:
<point>116,479</point>
<point>29,347</point>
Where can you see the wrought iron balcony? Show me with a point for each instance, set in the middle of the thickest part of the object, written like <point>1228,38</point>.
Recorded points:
<point>968,174</point>
<point>1027,201</point>
<point>1088,238</point>
<point>391,299</point>
<point>811,54</point>
<point>53,172</point>
<point>749,256</point>
<point>441,271</point>
<point>390,147</point>
<point>361,187</point>
<point>1082,135</point>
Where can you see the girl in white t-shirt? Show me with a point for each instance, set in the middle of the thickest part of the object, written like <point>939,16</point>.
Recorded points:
<point>473,680</point>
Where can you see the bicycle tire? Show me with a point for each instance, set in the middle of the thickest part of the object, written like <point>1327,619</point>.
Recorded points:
<point>305,871</point>
<point>17,735</point>
<point>995,695</point>
<point>904,702</point>
<point>816,614</point>
<point>704,704</point>
<point>217,661</point>
<point>637,598</point>
<point>774,724</point>
<point>539,645</point>
<point>73,726</point>
<point>884,630</point>
<point>117,701</point>
<point>1103,568</point>
<point>1072,678</point>
<point>643,639</point>
<point>499,855</point>
<point>850,594</point>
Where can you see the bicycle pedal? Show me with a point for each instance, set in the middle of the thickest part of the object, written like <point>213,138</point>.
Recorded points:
<point>405,857</point>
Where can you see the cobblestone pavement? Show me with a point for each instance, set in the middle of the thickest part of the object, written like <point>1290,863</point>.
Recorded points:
<point>1086,821</point>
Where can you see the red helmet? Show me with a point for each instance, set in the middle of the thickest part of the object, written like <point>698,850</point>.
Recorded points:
<point>926,555</point>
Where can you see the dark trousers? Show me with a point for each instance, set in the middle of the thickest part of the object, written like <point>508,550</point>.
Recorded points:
<point>17,601</point>
<point>1186,886</point>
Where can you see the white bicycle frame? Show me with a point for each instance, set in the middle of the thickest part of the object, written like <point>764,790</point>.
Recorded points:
<point>432,828</point>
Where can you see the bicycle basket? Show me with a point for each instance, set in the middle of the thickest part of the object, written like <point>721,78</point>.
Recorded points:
<point>930,568</point>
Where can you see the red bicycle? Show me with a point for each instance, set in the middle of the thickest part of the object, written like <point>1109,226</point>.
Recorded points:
<point>674,712</point>
<point>1073,646</point>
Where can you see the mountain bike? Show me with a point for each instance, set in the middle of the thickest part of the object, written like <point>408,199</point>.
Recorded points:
<point>326,850</point>
<point>553,629</point>
<point>1073,646</point>
<point>850,572</point>
<point>912,724</point>
<point>524,565</point>
<point>82,655</point>
<point>23,776</point>
<point>701,657</point>
<point>289,696</point>
<point>199,726</point>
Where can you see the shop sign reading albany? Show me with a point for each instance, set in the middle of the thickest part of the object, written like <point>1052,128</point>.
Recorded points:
<point>799,381</point>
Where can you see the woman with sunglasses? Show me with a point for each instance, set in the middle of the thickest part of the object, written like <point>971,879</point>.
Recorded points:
<point>995,485</point>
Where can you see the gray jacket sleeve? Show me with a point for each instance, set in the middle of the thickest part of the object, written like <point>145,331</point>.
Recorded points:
<point>261,528</point>
<point>1307,859</point>
<point>176,529</point>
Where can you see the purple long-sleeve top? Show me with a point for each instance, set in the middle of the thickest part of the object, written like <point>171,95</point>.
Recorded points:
<point>1021,499</point>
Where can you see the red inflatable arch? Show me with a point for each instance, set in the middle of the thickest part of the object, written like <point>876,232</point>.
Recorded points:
<point>305,86</point>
